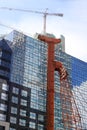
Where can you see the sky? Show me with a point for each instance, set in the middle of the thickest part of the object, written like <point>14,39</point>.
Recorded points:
<point>73,24</point>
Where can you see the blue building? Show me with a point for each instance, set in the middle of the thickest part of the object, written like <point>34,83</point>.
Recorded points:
<point>23,81</point>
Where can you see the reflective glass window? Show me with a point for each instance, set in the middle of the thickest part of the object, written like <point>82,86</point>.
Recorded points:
<point>15,90</point>
<point>22,122</point>
<point>3,107</point>
<point>40,127</point>
<point>32,125</point>
<point>12,129</point>
<point>13,120</point>
<point>24,93</point>
<point>22,112</point>
<point>2,117</point>
<point>40,117</point>
<point>5,87</point>
<point>23,102</point>
<point>15,99</point>
<point>14,110</point>
<point>32,115</point>
<point>4,96</point>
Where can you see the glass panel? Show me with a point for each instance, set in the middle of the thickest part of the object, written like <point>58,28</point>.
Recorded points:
<point>15,99</point>
<point>22,112</point>
<point>24,93</point>
<point>22,122</point>
<point>4,96</point>
<point>5,87</point>
<point>2,117</point>
<point>32,125</point>
<point>40,127</point>
<point>23,102</point>
<point>13,120</point>
<point>40,117</point>
<point>3,107</point>
<point>14,110</point>
<point>12,129</point>
<point>32,115</point>
<point>15,90</point>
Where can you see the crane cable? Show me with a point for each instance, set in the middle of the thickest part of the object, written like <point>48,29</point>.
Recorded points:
<point>82,95</point>
<point>79,101</point>
<point>12,28</point>
<point>82,119</point>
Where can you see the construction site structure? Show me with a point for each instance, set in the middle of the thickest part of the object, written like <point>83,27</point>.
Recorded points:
<point>45,14</point>
<point>70,116</point>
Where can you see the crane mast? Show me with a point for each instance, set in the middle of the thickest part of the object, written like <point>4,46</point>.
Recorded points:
<point>44,28</point>
<point>70,116</point>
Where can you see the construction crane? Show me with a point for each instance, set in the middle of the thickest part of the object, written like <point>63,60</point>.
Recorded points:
<point>38,12</point>
<point>71,119</point>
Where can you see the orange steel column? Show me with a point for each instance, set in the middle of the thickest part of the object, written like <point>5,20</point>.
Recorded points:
<point>50,89</point>
<point>50,80</point>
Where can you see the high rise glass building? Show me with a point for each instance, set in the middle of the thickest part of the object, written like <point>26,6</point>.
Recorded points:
<point>23,82</point>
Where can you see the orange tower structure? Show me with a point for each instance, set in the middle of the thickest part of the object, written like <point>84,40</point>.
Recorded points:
<point>70,115</point>
<point>50,81</point>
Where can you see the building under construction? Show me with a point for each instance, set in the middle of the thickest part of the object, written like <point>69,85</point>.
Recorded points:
<point>41,87</point>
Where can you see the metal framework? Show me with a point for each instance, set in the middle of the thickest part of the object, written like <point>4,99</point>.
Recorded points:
<point>50,81</point>
<point>45,14</point>
<point>70,115</point>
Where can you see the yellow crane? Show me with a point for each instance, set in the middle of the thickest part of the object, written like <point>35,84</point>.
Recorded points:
<point>45,13</point>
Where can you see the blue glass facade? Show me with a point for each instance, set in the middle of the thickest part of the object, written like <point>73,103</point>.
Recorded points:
<point>66,61</point>
<point>29,70</point>
<point>77,71</point>
<point>79,82</point>
<point>5,59</point>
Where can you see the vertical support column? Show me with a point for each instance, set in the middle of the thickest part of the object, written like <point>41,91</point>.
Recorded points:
<point>50,89</point>
<point>50,80</point>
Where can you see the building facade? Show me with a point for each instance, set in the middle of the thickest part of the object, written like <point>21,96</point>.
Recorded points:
<point>23,81</point>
